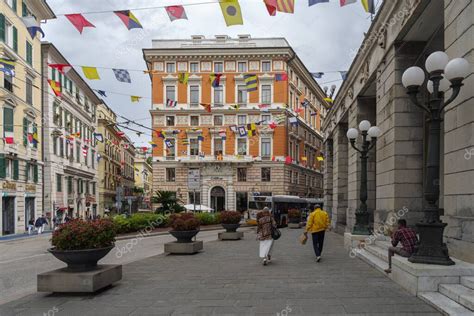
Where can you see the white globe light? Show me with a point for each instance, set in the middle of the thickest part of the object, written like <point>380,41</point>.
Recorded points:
<point>429,86</point>
<point>436,61</point>
<point>458,68</point>
<point>444,85</point>
<point>364,125</point>
<point>352,133</point>
<point>374,131</point>
<point>413,76</point>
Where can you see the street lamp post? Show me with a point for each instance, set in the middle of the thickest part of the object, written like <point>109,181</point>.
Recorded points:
<point>362,215</point>
<point>443,76</point>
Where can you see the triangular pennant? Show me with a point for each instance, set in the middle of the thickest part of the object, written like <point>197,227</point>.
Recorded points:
<point>130,21</point>
<point>79,21</point>
<point>176,12</point>
<point>62,68</point>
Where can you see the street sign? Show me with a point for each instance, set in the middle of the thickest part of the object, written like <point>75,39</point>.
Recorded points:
<point>194,179</point>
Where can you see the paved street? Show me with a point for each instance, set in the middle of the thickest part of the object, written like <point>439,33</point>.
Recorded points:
<point>228,279</point>
<point>21,260</point>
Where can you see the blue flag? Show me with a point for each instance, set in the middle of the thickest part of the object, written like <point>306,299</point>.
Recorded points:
<point>313,2</point>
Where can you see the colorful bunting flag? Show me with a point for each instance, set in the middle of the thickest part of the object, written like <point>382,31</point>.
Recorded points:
<point>313,2</point>
<point>206,106</point>
<point>251,129</point>
<point>102,93</point>
<point>90,73</point>
<point>85,150</point>
<point>62,68</point>
<point>251,82</point>
<point>317,75</point>
<point>183,77</point>
<point>200,138</point>
<point>130,21</point>
<point>287,6</point>
<point>56,86</point>
<point>271,6</point>
<point>122,75</point>
<point>293,120</point>
<point>235,107</point>
<point>231,12</point>
<point>185,141</point>
<point>281,77</point>
<point>242,131</point>
<point>135,98</point>
<point>171,103</point>
<point>369,6</point>
<point>7,66</point>
<point>288,160</point>
<point>280,118</point>
<point>320,158</point>
<point>176,12</point>
<point>9,137</point>
<point>215,80</point>
<point>343,75</point>
<point>79,21</point>
<point>32,26</point>
<point>305,103</point>
<point>272,125</point>
<point>346,2</point>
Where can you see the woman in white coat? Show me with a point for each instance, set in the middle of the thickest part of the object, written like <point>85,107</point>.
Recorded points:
<point>265,222</point>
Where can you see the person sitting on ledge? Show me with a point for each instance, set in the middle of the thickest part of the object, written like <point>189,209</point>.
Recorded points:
<point>407,237</point>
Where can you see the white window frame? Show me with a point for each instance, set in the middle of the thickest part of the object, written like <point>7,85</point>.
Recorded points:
<point>174,120</point>
<point>165,95</point>
<point>189,95</point>
<point>166,67</point>
<point>166,147</point>
<point>212,145</point>
<point>189,146</point>
<point>260,146</point>
<point>246,119</point>
<point>214,66</point>
<point>223,94</point>
<point>246,66</point>
<point>198,66</point>
<point>199,120</point>
<point>223,119</point>
<point>261,93</point>
<point>237,94</point>
<point>261,65</point>
<point>237,145</point>
<point>266,122</point>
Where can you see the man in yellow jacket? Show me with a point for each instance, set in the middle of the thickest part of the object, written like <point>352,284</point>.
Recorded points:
<point>318,222</point>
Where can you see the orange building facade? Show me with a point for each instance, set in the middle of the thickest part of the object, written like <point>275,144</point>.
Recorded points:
<point>231,142</point>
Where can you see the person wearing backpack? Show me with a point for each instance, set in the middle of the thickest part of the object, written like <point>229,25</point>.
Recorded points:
<point>265,224</point>
<point>317,224</point>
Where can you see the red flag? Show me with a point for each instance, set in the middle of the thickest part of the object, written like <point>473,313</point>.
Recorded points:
<point>79,21</point>
<point>272,125</point>
<point>271,6</point>
<point>62,68</point>
<point>288,160</point>
<point>206,106</point>
<point>176,12</point>
<point>56,86</point>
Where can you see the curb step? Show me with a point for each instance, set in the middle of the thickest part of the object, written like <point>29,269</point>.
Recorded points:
<point>459,293</point>
<point>444,304</point>
<point>372,260</point>
<point>468,282</point>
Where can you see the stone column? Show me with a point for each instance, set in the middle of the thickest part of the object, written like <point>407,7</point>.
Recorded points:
<point>328,178</point>
<point>340,163</point>
<point>400,146</point>
<point>459,137</point>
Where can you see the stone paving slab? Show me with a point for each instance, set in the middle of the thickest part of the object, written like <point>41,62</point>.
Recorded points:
<point>227,278</point>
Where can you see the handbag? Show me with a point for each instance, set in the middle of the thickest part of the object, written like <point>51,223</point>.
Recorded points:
<point>303,239</point>
<point>276,234</point>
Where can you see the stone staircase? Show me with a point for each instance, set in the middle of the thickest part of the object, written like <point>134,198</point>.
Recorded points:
<point>451,291</point>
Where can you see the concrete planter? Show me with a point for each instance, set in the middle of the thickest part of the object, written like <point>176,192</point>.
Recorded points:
<point>231,228</point>
<point>184,236</point>
<point>80,260</point>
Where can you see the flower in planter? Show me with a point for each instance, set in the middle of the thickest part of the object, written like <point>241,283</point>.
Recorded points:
<point>79,235</point>
<point>230,217</point>
<point>184,222</point>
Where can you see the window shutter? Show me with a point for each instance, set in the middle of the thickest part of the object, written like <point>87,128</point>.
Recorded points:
<point>35,176</point>
<point>25,131</point>
<point>14,6</point>
<point>2,28</point>
<point>15,39</point>
<point>24,9</point>
<point>3,170</point>
<point>27,171</point>
<point>16,170</point>
<point>8,119</point>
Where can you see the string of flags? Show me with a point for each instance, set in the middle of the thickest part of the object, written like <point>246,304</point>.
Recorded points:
<point>231,12</point>
<point>319,75</point>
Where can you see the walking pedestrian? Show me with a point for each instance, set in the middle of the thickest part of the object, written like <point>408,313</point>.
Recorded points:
<point>31,226</point>
<point>39,225</point>
<point>44,222</point>
<point>265,223</point>
<point>317,224</point>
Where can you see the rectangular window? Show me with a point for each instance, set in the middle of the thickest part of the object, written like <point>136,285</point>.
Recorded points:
<point>218,67</point>
<point>55,145</point>
<point>170,120</point>
<point>194,96</point>
<point>69,185</point>
<point>241,66</point>
<point>242,174</point>
<point>170,148</point>
<point>8,122</point>
<point>8,82</point>
<point>170,67</point>
<point>93,159</point>
<point>241,119</point>
<point>194,120</point>
<point>78,152</point>
<point>219,95</point>
<point>29,91</point>
<point>193,147</point>
<point>29,53</point>
<point>61,147</point>
<point>242,94</point>
<point>266,94</point>
<point>194,198</point>
<point>218,120</point>
<point>194,67</point>
<point>291,100</point>
<point>241,201</point>
<point>266,66</point>
<point>218,146</point>
<point>242,146</point>
<point>59,183</point>
<point>171,93</point>
<point>170,174</point>
<point>266,144</point>
<point>266,118</point>
<point>93,188</point>
<point>266,175</point>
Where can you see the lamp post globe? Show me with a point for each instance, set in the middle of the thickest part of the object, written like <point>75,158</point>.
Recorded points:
<point>436,62</point>
<point>374,132</point>
<point>352,133</point>
<point>413,77</point>
<point>364,125</point>
<point>457,69</point>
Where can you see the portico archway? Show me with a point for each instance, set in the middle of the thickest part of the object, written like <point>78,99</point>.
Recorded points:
<point>218,198</point>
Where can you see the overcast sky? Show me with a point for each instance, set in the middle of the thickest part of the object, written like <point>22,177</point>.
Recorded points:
<point>324,36</point>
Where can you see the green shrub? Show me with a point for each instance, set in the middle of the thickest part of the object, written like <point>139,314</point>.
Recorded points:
<point>208,218</point>
<point>79,234</point>
<point>139,221</point>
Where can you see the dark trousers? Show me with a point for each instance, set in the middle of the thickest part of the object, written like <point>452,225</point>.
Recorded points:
<point>318,241</point>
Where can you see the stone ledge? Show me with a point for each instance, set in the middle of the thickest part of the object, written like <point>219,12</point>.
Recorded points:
<point>188,248</point>
<point>62,281</point>
<point>230,235</point>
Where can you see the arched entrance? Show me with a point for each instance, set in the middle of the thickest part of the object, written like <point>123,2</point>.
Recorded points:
<point>218,199</point>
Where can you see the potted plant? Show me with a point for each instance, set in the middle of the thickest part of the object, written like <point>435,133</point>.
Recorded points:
<point>81,244</point>
<point>184,226</point>
<point>230,220</point>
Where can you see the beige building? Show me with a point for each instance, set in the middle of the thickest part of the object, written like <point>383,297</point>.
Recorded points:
<point>404,34</point>
<point>144,178</point>
<point>116,163</point>
<point>240,143</point>
<point>21,168</point>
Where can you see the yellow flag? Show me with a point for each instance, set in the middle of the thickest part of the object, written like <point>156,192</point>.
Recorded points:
<point>231,11</point>
<point>135,98</point>
<point>183,77</point>
<point>91,73</point>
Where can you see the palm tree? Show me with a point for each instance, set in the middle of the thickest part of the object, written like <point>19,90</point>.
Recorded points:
<point>168,201</point>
